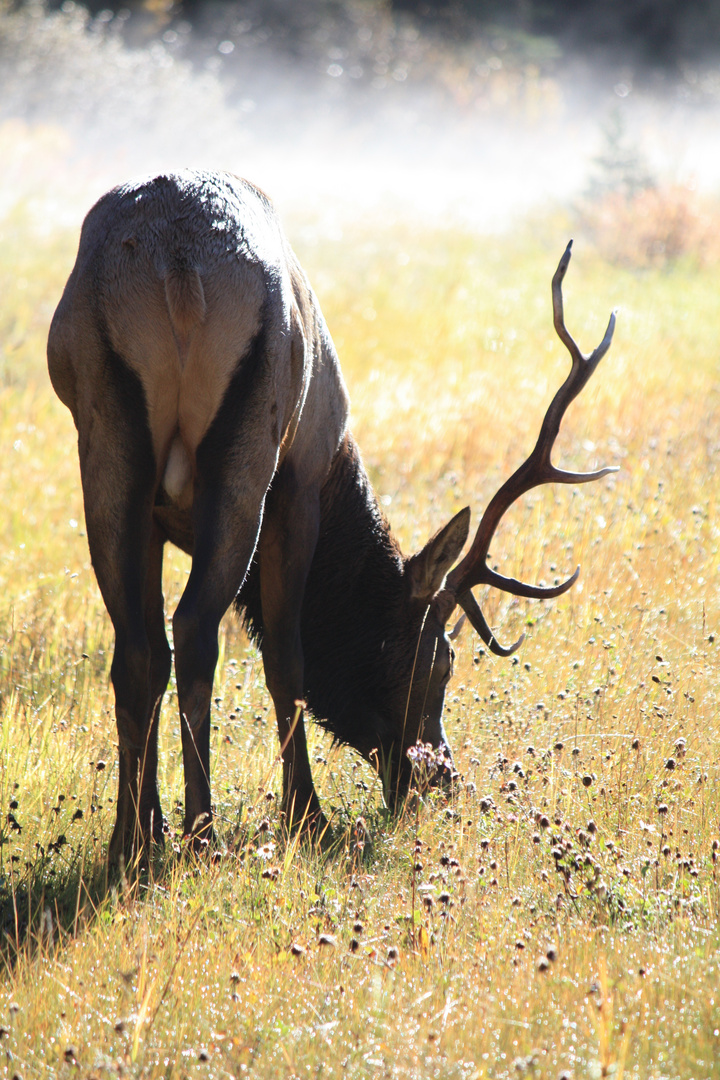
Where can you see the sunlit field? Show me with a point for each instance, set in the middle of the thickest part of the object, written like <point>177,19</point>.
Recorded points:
<point>558,917</point>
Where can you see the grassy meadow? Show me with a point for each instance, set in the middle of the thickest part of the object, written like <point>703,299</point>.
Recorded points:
<point>558,918</point>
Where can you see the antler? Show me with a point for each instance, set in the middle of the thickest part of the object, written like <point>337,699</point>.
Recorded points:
<point>536,470</point>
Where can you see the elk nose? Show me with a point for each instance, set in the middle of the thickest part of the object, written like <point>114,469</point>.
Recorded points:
<point>446,775</point>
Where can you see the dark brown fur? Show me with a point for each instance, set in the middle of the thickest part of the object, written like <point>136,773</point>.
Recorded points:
<point>354,601</point>
<point>211,412</point>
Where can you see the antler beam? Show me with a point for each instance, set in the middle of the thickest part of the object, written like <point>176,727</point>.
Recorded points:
<point>538,469</point>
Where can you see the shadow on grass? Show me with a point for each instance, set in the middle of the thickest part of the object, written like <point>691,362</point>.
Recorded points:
<point>54,900</point>
<point>42,905</point>
<point>65,889</point>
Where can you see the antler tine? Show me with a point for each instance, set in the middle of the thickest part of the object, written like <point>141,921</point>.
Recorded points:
<point>536,470</point>
<point>559,322</point>
<point>479,623</point>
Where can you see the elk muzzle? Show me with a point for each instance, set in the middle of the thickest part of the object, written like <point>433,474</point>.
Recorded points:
<point>423,767</point>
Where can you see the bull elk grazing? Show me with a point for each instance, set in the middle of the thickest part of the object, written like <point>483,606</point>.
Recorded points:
<point>211,412</point>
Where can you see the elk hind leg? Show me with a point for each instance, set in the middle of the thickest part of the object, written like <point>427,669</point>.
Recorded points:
<point>118,472</point>
<point>149,809</point>
<point>226,522</point>
<point>140,672</point>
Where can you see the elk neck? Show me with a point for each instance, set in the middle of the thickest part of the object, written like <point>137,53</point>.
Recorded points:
<point>353,605</point>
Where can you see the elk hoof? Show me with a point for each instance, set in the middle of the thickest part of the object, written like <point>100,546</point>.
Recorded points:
<point>131,851</point>
<point>302,814</point>
<point>199,836</point>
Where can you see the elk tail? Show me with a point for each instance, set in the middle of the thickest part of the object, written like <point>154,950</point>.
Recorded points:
<point>186,304</point>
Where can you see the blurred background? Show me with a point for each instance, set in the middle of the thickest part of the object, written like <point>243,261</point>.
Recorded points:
<point>472,111</point>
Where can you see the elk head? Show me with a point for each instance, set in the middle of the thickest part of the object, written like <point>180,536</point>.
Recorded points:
<point>421,674</point>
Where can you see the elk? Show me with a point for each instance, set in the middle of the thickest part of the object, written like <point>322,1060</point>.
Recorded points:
<point>211,412</point>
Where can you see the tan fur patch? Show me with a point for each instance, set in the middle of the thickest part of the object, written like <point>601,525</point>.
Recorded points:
<point>178,473</point>
<point>185,343</point>
<point>185,298</point>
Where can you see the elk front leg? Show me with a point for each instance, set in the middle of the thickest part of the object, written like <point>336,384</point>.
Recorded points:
<point>286,550</point>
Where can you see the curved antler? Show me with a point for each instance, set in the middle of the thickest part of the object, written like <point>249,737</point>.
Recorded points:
<point>536,470</point>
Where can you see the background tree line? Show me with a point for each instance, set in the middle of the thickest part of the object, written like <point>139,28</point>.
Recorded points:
<point>658,32</point>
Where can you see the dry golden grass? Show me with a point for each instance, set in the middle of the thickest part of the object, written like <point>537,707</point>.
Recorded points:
<point>560,916</point>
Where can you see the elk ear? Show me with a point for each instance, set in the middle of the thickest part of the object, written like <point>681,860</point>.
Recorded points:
<point>426,571</point>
